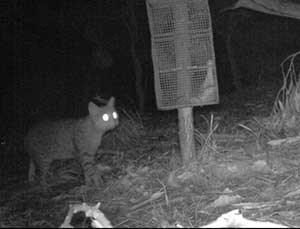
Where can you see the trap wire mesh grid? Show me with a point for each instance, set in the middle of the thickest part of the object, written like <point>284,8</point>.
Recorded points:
<point>182,53</point>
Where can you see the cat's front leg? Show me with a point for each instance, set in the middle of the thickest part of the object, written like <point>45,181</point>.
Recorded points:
<point>91,173</point>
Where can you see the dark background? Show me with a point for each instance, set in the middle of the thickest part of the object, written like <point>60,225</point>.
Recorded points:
<point>50,67</point>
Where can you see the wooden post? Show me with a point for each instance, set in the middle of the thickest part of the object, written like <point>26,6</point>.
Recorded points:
<point>186,134</point>
<point>185,115</point>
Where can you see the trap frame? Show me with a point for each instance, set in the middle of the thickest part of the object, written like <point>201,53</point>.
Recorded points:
<point>183,61</point>
<point>182,53</point>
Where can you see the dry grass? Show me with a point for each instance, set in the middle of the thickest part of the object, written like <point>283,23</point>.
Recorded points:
<point>286,111</point>
<point>148,187</point>
<point>206,141</point>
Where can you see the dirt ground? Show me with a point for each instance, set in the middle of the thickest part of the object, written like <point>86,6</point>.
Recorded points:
<point>146,185</point>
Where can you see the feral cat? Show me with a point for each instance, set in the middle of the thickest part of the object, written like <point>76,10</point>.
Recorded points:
<point>73,138</point>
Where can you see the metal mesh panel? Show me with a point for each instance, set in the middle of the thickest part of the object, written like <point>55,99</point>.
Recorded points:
<point>182,53</point>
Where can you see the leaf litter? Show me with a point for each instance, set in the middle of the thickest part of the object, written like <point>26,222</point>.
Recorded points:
<point>242,162</point>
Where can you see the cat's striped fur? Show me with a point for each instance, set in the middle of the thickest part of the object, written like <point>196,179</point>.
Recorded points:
<point>65,139</point>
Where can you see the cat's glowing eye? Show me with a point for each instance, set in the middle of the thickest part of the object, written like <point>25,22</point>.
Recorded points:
<point>105,117</point>
<point>115,115</point>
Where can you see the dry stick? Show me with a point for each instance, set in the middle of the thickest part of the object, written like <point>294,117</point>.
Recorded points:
<point>165,191</point>
<point>119,224</point>
<point>154,197</point>
<point>173,201</point>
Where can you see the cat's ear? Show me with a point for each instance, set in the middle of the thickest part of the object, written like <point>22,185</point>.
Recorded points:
<point>111,101</point>
<point>93,108</point>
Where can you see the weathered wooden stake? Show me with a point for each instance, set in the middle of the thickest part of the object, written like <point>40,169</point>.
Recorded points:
<point>185,115</point>
<point>186,134</point>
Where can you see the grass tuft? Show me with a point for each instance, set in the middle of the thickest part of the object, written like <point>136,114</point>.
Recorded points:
<point>285,116</point>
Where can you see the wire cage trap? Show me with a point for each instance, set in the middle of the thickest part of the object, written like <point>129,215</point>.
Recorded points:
<point>182,53</point>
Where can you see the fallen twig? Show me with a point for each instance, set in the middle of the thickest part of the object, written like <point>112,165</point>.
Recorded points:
<point>154,197</point>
